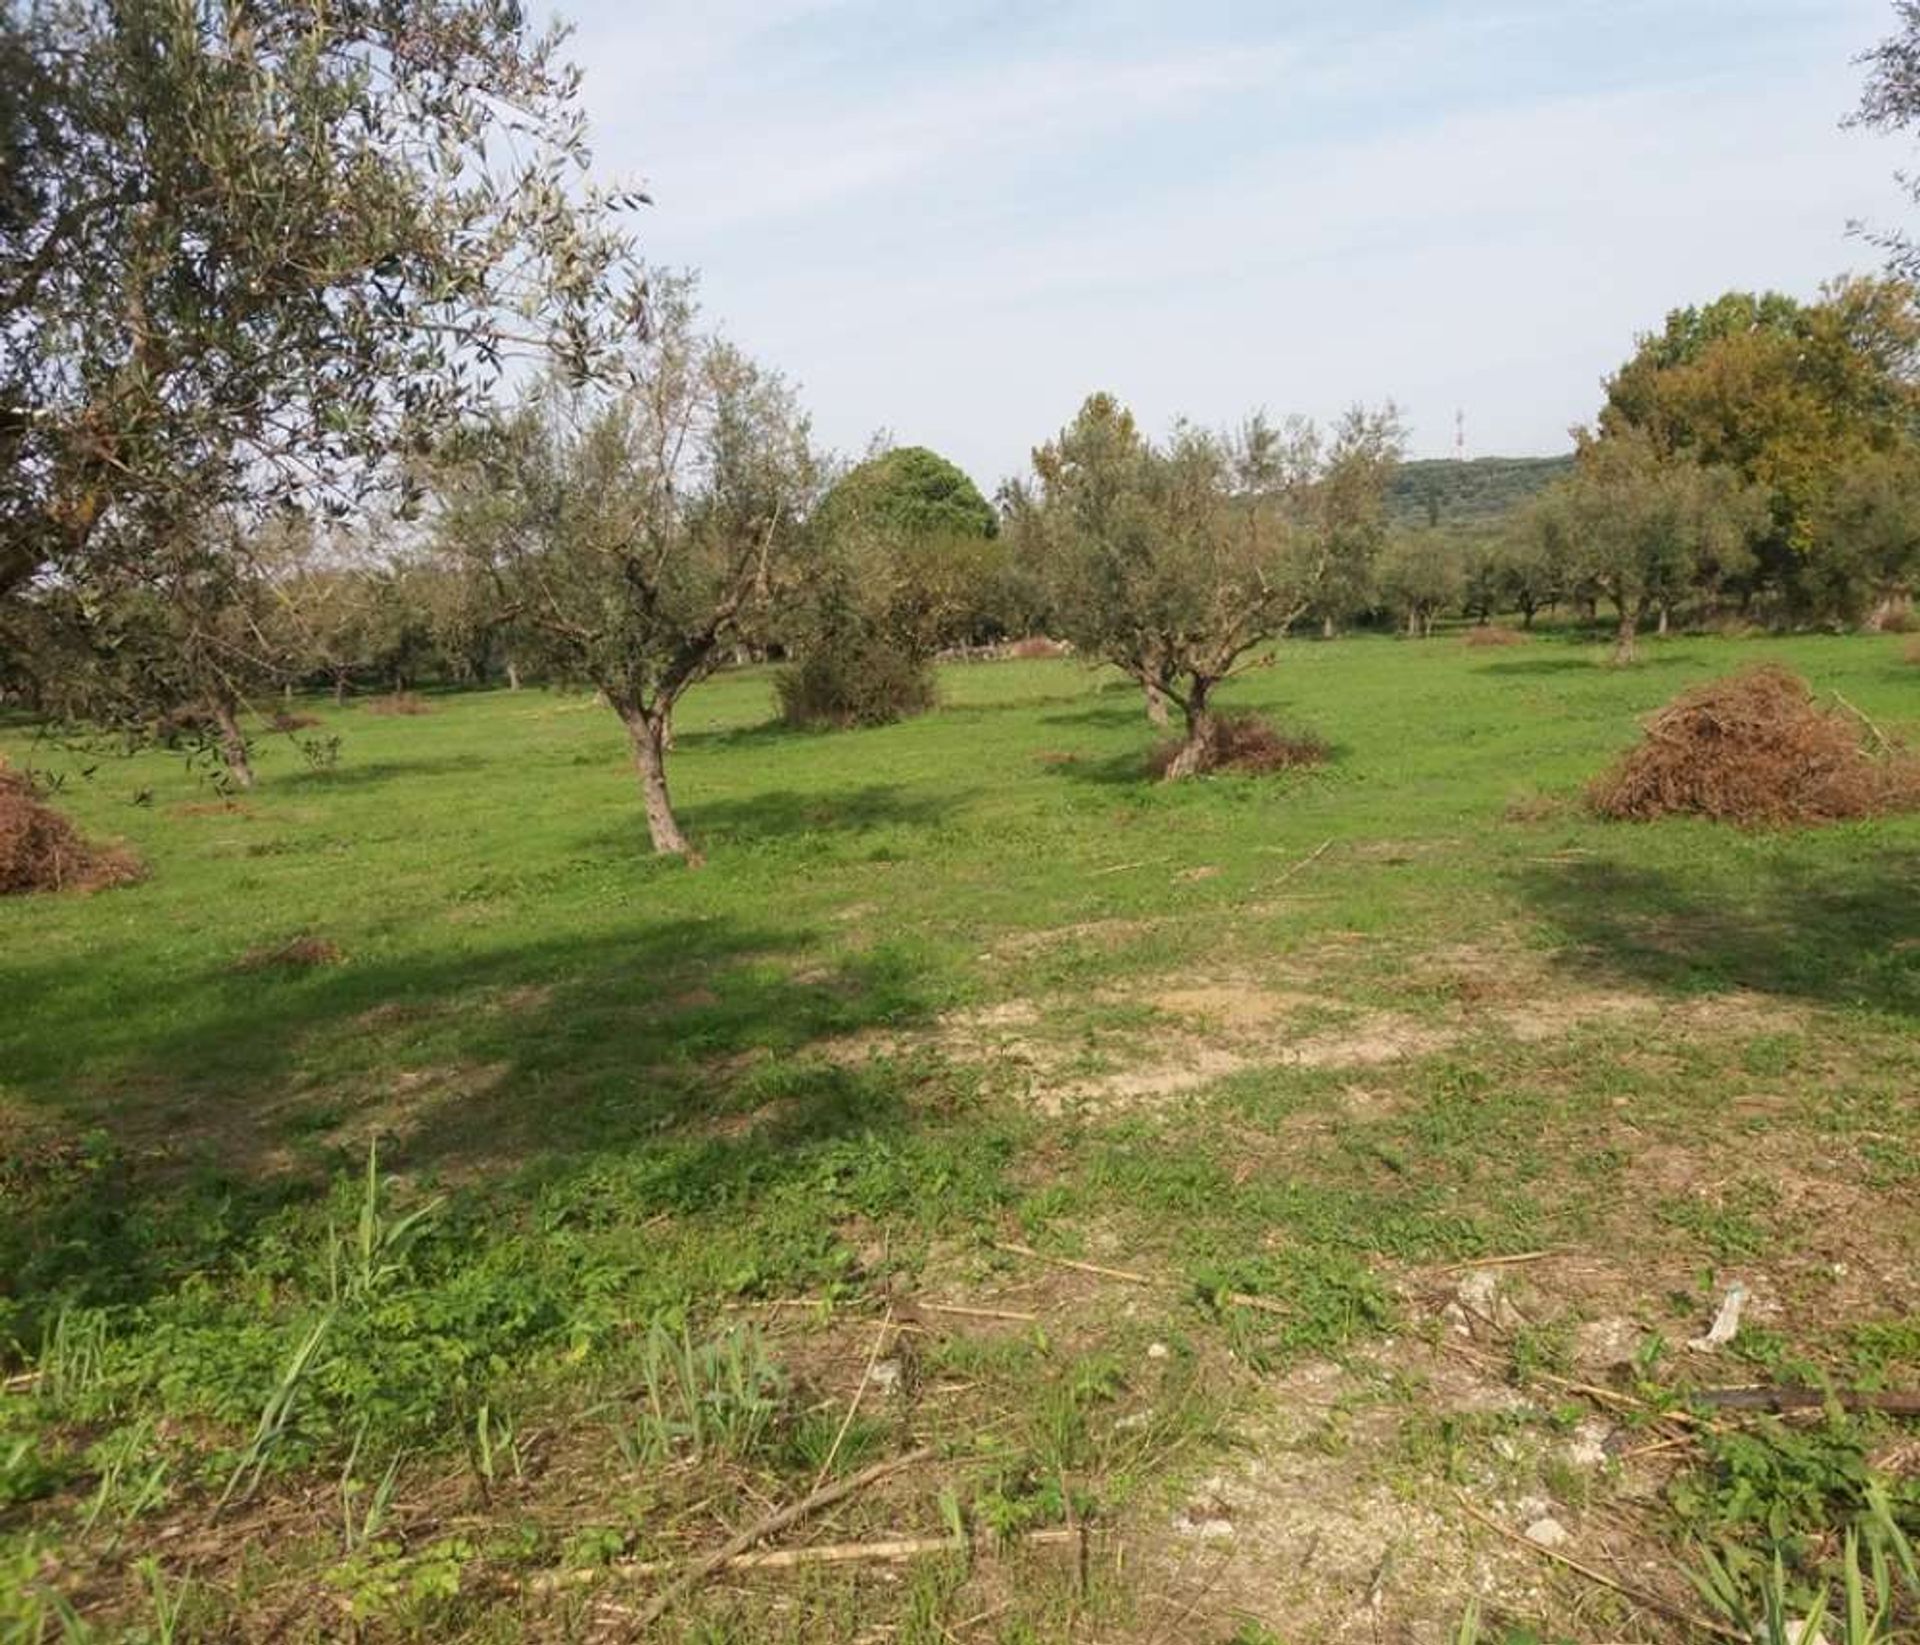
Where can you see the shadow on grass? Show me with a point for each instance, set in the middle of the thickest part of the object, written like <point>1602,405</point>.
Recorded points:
<point>1583,661</point>
<point>786,813</point>
<point>1836,932</point>
<point>683,1059</point>
<point>351,773</point>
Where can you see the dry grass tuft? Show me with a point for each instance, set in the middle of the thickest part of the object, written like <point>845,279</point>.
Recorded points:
<point>400,702</point>
<point>1756,749</point>
<point>1535,808</point>
<point>1248,744</point>
<point>1485,634</point>
<point>301,953</point>
<point>40,850</point>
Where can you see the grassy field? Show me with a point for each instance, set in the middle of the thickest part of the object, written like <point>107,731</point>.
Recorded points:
<point>695,1190</point>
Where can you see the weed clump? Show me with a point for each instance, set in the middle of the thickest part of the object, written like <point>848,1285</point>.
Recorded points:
<point>40,850</point>
<point>1486,634</point>
<point>1756,749</point>
<point>295,954</point>
<point>1250,745</point>
<point>399,703</point>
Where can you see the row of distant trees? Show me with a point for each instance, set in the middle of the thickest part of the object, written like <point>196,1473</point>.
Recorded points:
<point>261,287</point>
<point>629,535</point>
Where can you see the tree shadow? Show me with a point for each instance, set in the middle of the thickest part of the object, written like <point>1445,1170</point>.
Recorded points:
<point>785,813</point>
<point>704,1058</point>
<point>1839,933</point>
<point>351,773</point>
<point>744,736</point>
<point>1524,666</point>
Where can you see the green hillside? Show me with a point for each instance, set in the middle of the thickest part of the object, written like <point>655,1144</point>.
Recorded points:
<point>1478,490</point>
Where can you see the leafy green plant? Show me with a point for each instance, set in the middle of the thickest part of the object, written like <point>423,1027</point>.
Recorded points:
<point>132,1479</point>
<point>724,1394</point>
<point>167,1602</point>
<point>73,1355</point>
<point>1766,1511</point>
<point>361,1522</point>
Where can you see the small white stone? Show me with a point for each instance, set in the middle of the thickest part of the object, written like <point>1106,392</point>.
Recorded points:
<point>886,1375</point>
<point>1588,1446</point>
<point>1159,1350</point>
<point>1206,1527</point>
<point>1548,1533</point>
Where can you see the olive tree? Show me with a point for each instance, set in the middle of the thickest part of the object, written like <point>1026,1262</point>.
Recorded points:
<point>1175,561</point>
<point>1421,573</point>
<point>1646,530</point>
<point>249,249</point>
<point>636,534</point>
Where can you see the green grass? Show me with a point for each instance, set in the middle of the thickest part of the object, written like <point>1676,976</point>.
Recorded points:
<point>637,1104</point>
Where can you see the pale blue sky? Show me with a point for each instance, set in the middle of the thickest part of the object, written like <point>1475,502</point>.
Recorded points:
<point>955,220</point>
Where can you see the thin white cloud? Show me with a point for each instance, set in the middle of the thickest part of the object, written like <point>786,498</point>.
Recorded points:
<point>950,245</point>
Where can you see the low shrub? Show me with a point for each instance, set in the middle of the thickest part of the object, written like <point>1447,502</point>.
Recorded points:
<point>399,702</point>
<point>1486,634</point>
<point>40,850</point>
<point>853,683</point>
<point>1250,745</point>
<point>1756,749</point>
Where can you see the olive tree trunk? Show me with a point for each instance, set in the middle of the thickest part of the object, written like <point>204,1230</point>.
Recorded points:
<point>1626,636</point>
<point>1198,753</point>
<point>1157,711</point>
<point>233,743</point>
<point>650,732</point>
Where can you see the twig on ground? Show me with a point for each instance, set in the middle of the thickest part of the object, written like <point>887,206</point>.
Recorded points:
<point>772,1525</point>
<point>1496,1262</point>
<point>1638,1595</point>
<point>1886,743</point>
<point>977,1313</point>
<point>846,1422</point>
<point>1307,861</point>
<point>887,1551</point>
<point>1240,1299</point>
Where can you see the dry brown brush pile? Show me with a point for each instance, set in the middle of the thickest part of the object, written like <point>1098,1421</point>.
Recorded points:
<point>1757,749</point>
<point>1248,744</point>
<point>1487,634</point>
<point>400,702</point>
<point>41,851</point>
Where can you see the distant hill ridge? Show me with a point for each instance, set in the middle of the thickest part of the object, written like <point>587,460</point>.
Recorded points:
<point>1481,489</point>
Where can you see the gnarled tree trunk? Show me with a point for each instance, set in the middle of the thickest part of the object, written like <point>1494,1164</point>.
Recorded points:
<point>650,732</point>
<point>1157,713</point>
<point>1198,753</point>
<point>1628,633</point>
<point>1893,607</point>
<point>233,743</point>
